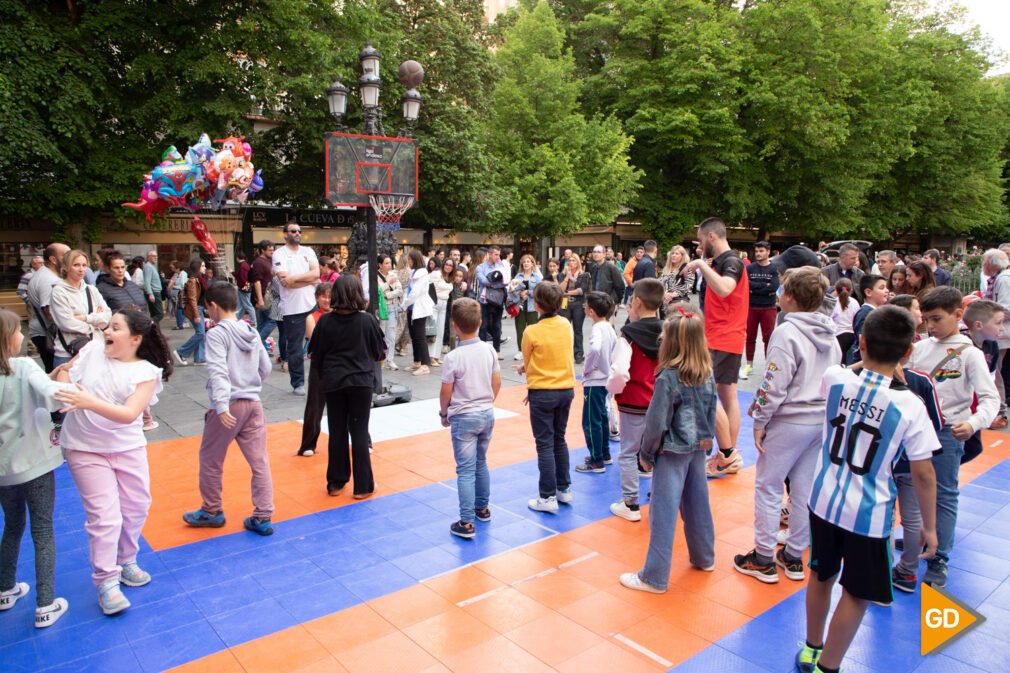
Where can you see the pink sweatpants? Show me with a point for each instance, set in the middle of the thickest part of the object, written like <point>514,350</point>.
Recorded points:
<point>251,435</point>
<point>116,491</point>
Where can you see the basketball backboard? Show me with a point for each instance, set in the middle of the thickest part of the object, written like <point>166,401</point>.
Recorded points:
<point>359,165</point>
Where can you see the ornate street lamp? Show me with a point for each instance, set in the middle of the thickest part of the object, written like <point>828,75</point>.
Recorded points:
<point>336,94</point>
<point>411,110</point>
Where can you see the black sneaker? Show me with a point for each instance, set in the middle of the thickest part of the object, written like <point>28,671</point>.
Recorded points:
<point>791,566</point>
<point>899,544</point>
<point>483,514</point>
<point>462,529</point>
<point>586,467</point>
<point>936,573</point>
<point>902,581</point>
<point>750,564</point>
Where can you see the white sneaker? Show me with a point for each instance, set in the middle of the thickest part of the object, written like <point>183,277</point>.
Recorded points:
<point>621,509</point>
<point>132,575</point>
<point>744,374</point>
<point>111,598</point>
<point>391,366</point>
<point>47,616</point>
<point>153,425</point>
<point>179,360</point>
<point>782,536</point>
<point>565,496</point>
<point>11,596</point>
<point>549,505</point>
<point>518,357</point>
<point>633,581</point>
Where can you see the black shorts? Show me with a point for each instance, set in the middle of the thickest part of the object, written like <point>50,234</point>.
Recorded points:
<point>726,366</point>
<point>865,562</point>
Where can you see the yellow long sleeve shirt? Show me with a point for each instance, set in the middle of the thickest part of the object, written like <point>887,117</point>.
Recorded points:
<point>549,355</point>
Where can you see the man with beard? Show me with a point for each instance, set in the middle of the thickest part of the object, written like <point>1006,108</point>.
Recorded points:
<point>727,295</point>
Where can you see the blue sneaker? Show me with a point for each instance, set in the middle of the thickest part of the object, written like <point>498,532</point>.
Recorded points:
<point>202,519</point>
<point>261,526</point>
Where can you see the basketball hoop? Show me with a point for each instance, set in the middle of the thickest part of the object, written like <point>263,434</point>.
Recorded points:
<point>389,208</point>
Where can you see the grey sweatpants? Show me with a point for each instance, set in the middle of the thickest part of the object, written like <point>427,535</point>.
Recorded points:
<point>38,496</point>
<point>632,429</point>
<point>790,451</point>
<point>911,524</point>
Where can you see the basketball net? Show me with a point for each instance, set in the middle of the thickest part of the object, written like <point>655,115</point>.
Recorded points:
<point>389,208</point>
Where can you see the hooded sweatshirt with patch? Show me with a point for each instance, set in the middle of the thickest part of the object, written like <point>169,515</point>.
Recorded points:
<point>633,365</point>
<point>799,352</point>
<point>237,363</point>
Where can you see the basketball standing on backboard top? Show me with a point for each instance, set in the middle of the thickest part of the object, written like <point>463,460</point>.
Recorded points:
<point>411,74</point>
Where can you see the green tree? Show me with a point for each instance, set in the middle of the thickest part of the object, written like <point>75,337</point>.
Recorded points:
<point>554,170</point>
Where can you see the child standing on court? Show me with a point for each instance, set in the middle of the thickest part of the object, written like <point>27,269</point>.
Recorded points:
<point>27,461</point>
<point>983,321</point>
<point>103,442</point>
<point>959,374</point>
<point>471,379</point>
<point>549,365</point>
<point>788,413</point>
<point>679,427</point>
<point>236,369</point>
<point>873,293</point>
<point>868,423</point>
<point>632,377</point>
<point>595,370</point>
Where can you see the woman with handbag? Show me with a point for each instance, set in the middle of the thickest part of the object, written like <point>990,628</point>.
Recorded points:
<point>79,311</point>
<point>419,306</point>
<point>575,284</point>
<point>521,295</point>
<point>677,280</point>
<point>192,301</point>
<point>441,280</point>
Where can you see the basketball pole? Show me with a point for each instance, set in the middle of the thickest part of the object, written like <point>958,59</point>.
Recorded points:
<point>373,282</point>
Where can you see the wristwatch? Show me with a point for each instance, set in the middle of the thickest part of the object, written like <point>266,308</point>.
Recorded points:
<point>441,415</point>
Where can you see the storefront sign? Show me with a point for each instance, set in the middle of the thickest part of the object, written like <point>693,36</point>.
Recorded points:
<point>277,217</point>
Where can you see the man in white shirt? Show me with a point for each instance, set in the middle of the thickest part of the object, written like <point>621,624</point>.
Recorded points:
<point>297,268</point>
<point>40,289</point>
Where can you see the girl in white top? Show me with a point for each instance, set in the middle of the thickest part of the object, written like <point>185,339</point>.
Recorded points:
<point>419,306</point>
<point>103,441</point>
<point>70,310</point>
<point>441,279</point>
<point>843,314</point>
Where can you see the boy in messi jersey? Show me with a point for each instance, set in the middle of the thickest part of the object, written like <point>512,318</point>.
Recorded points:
<point>871,421</point>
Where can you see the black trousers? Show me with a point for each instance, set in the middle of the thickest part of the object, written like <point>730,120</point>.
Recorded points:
<point>418,339</point>
<point>490,316</point>
<point>576,314</point>
<point>45,352</point>
<point>348,410</point>
<point>315,404</point>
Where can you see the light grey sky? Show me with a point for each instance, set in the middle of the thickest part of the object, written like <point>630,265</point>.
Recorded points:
<point>993,16</point>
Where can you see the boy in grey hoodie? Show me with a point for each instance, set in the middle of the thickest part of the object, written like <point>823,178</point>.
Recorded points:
<point>237,365</point>
<point>788,413</point>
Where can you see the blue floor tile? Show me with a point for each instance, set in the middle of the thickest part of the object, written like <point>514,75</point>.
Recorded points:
<point>980,563</point>
<point>319,600</point>
<point>377,580</point>
<point>250,622</point>
<point>56,647</point>
<point>975,490</point>
<point>1001,596</point>
<point>162,616</point>
<point>19,657</point>
<point>470,551</point>
<point>987,544</point>
<point>227,596</point>
<point>969,588</point>
<point>346,560</point>
<point>196,577</point>
<point>941,663</point>
<point>520,533</point>
<point>428,563</point>
<point>397,545</point>
<point>778,645</point>
<point>282,580</point>
<point>117,660</point>
<point>980,651</point>
<point>179,646</point>
<point>714,659</point>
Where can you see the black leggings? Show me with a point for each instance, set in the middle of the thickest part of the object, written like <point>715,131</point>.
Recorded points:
<point>845,341</point>
<point>315,401</point>
<point>38,495</point>
<point>418,339</point>
<point>348,410</point>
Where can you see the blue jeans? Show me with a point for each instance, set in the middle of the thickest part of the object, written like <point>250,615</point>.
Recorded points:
<point>294,337</point>
<point>194,346</point>
<point>180,317</point>
<point>245,306</point>
<point>947,465</point>
<point>471,434</point>
<point>549,419</point>
<point>678,482</point>
<point>264,324</point>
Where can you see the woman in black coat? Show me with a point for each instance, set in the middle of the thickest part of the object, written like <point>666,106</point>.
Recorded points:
<point>347,343</point>
<point>575,283</point>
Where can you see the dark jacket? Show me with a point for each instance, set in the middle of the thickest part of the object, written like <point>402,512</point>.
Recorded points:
<point>764,284</point>
<point>681,419</point>
<point>607,278</point>
<point>834,273</point>
<point>347,346</point>
<point>127,295</point>
<point>646,268</point>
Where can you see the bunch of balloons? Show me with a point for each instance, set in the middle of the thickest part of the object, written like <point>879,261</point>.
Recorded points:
<point>205,178</point>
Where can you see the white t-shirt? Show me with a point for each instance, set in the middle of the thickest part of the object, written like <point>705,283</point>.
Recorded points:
<point>113,381</point>
<point>470,368</point>
<point>294,263</point>
<point>868,426</point>
<point>843,317</point>
<point>40,291</point>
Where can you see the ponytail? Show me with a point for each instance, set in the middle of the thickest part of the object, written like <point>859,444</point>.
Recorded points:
<point>153,346</point>
<point>843,288</point>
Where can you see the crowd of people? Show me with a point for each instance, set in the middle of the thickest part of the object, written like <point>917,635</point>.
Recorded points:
<point>877,382</point>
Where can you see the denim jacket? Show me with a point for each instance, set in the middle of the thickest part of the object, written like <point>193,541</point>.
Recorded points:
<point>680,419</point>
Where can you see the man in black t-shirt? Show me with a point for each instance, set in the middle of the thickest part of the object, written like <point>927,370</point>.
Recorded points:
<point>764,284</point>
